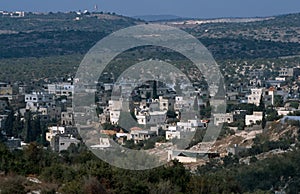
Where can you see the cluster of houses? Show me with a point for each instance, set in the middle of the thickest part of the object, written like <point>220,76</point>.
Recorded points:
<point>257,90</point>
<point>12,14</point>
<point>51,105</point>
<point>155,108</point>
<point>158,116</point>
<point>277,93</point>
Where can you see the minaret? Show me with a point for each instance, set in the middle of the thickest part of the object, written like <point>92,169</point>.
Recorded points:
<point>96,8</point>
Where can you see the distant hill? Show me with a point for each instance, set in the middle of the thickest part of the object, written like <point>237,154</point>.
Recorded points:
<point>153,18</point>
<point>52,34</point>
<point>44,22</point>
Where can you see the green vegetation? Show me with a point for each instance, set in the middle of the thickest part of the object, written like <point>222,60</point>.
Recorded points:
<point>78,170</point>
<point>66,21</point>
<point>56,33</point>
<point>269,175</point>
<point>34,70</point>
<point>240,48</point>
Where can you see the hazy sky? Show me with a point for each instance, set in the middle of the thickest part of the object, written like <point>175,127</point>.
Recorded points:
<point>185,8</point>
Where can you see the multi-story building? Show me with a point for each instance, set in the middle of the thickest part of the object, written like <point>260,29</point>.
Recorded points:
<point>54,130</point>
<point>61,89</point>
<point>289,72</point>
<point>191,125</point>
<point>53,111</point>
<point>166,104</point>
<point>38,99</point>
<point>67,118</point>
<point>255,96</point>
<point>151,118</point>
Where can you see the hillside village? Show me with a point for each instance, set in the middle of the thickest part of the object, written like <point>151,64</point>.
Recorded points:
<point>46,115</point>
<point>46,145</point>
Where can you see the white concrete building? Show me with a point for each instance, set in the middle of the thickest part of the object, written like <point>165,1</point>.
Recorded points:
<point>191,125</point>
<point>54,130</point>
<point>103,143</point>
<point>114,116</point>
<point>141,135</point>
<point>172,135</point>
<point>114,109</point>
<point>221,118</point>
<point>182,156</point>
<point>284,111</point>
<point>61,89</point>
<point>252,119</point>
<point>255,96</point>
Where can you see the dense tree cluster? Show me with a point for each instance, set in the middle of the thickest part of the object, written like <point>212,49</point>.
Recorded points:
<point>77,170</point>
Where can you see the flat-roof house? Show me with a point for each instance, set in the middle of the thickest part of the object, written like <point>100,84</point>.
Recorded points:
<point>141,135</point>
<point>252,119</point>
<point>221,118</point>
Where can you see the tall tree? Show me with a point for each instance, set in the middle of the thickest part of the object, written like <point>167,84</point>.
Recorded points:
<point>17,125</point>
<point>27,126</point>
<point>9,123</point>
